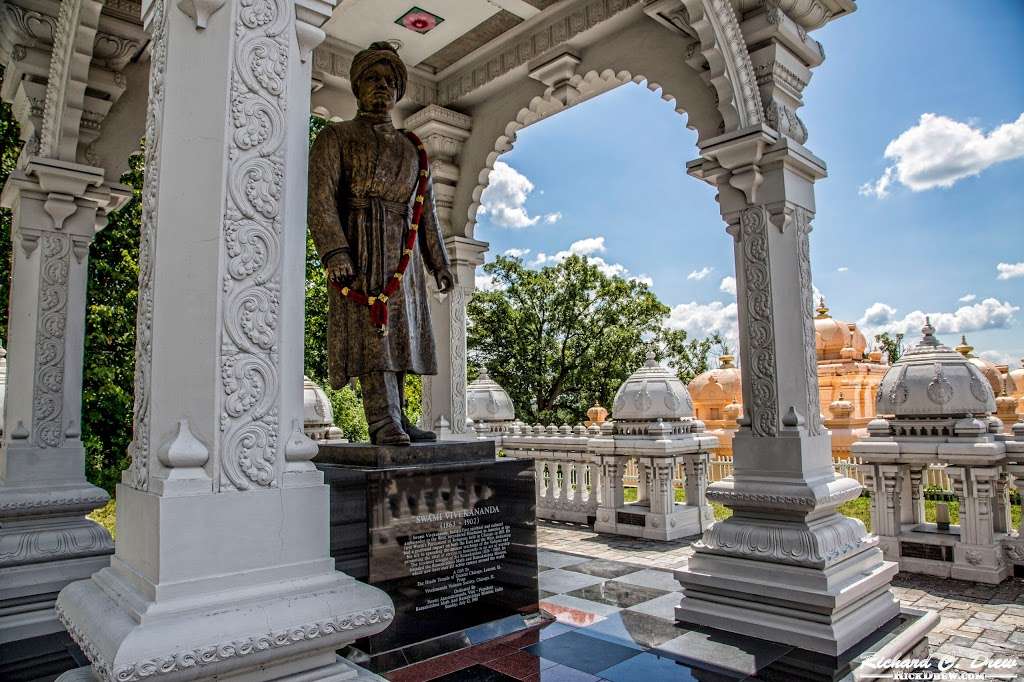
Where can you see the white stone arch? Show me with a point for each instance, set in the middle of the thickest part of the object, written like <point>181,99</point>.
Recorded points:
<point>588,86</point>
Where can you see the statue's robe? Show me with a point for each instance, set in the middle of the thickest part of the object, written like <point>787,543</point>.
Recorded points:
<point>362,182</point>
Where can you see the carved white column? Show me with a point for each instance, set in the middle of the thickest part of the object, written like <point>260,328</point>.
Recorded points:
<point>58,205</point>
<point>816,576</point>
<point>45,541</point>
<point>444,132</point>
<point>221,565</point>
<point>444,394</point>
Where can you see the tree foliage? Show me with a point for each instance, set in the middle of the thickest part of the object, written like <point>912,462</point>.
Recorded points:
<point>892,345</point>
<point>562,337</point>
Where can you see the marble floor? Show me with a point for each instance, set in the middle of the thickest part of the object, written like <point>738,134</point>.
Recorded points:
<point>610,604</point>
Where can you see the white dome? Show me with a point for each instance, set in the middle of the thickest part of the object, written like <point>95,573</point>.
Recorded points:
<point>932,380</point>
<point>652,392</point>
<point>487,401</point>
<point>317,415</point>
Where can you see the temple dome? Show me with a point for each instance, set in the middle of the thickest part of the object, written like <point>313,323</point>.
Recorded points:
<point>317,414</point>
<point>1015,381</point>
<point>652,392</point>
<point>717,386</point>
<point>932,380</point>
<point>988,369</point>
<point>487,401</point>
<point>835,339</point>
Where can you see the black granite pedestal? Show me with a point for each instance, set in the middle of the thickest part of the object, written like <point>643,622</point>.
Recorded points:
<point>446,529</point>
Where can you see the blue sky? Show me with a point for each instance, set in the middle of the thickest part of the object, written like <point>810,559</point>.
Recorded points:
<point>609,176</point>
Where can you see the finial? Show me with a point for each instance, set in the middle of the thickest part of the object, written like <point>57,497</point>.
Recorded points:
<point>725,361</point>
<point>822,309</point>
<point>483,374</point>
<point>964,348</point>
<point>929,333</point>
<point>651,362</point>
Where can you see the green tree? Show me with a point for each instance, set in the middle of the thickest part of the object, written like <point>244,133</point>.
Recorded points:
<point>892,345</point>
<point>10,148</point>
<point>561,337</point>
<point>108,375</point>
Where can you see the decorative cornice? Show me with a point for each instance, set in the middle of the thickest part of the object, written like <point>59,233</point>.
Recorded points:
<point>36,503</point>
<point>516,53</point>
<point>216,653</point>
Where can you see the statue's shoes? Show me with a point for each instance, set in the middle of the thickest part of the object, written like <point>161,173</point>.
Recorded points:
<point>390,434</point>
<point>418,435</point>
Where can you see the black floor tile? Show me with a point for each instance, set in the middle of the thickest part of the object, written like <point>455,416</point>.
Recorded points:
<point>476,673</point>
<point>618,594</point>
<point>650,668</point>
<point>632,629</point>
<point>602,568</point>
<point>588,654</point>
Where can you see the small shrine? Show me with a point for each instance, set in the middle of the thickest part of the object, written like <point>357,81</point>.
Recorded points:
<point>317,414</point>
<point>489,408</point>
<point>653,422</point>
<point>935,407</point>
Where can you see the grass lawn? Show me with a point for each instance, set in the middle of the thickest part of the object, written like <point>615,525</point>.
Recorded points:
<point>859,508</point>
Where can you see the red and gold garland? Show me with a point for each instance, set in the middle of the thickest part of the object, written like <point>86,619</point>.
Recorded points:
<point>379,303</point>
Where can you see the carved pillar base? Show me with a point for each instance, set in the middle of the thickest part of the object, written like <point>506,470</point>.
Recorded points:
<point>45,541</point>
<point>188,607</point>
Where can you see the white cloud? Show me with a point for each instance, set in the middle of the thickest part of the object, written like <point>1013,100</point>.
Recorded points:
<point>997,357</point>
<point>728,285</point>
<point>701,319</point>
<point>587,248</point>
<point>877,314</point>
<point>516,253</point>
<point>967,298</point>
<point>700,274</point>
<point>939,151</point>
<point>504,199</point>
<point>842,268</point>
<point>485,282</point>
<point>552,218</point>
<point>989,313</point>
<point>583,247</point>
<point>880,187</point>
<point>1010,270</point>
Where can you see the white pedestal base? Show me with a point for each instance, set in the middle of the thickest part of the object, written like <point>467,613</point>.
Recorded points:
<point>827,610</point>
<point>683,521</point>
<point>339,670</point>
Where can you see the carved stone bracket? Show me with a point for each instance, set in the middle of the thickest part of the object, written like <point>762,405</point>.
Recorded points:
<point>200,11</point>
<point>556,72</point>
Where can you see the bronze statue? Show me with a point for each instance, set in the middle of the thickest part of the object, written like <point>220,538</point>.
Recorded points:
<point>364,177</point>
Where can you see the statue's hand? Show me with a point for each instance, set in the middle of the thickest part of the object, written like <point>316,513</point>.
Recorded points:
<point>445,280</point>
<point>340,268</point>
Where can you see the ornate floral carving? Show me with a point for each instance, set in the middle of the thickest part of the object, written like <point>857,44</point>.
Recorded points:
<point>48,388</point>
<point>758,332</point>
<point>457,357</point>
<point>940,390</point>
<point>140,445</point>
<point>215,653</point>
<point>899,393</point>
<point>250,325</point>
<point>980,388</point>
<point>803,225</point>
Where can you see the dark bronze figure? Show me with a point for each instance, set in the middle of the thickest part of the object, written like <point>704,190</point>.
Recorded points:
<point>363,176</point>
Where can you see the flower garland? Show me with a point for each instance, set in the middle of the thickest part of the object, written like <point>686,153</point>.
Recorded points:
<point>379,303</point>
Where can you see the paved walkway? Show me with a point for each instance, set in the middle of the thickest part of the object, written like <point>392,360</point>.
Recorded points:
<point>978,621</point>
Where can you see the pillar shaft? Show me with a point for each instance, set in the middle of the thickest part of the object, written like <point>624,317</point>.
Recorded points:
<point>222,519</point>
<point>45,541</point>
<point>444,394</point>
<point>785,544</point>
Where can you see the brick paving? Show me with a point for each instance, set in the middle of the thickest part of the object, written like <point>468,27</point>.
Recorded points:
<point>977,621</point>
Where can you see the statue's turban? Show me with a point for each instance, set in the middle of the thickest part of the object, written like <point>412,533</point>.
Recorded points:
<point>375,53</point>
